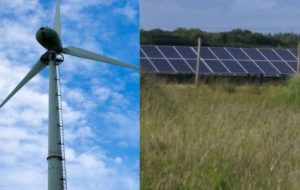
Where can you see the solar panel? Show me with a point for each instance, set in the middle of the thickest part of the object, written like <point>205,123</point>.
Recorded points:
<point>206,53</point>
<point>253,54</point>
<point>267,67</point>
<point>285,54</point>
<point>146,66</point>
<point>152,52</point>
<point>217,67</point>
<point>237,53</point>
<point>186,52</point>
<point>203,67</point>
<point>220,53</point>
<point>142,55</point>
<point>169,52</point>
<point>269,54</point>
<point>181,66</point>
<point>218,60</point>
<point>234,67</point>
<point>293,64</point>
<point>283,67</point>
<point>251,67</point>
<point>163,66</point>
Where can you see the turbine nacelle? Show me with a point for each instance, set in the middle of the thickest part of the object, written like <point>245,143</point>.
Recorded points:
<point>49,39</point>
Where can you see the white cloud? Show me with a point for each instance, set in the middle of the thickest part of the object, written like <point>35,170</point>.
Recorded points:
<point>76,95</point>
<point>124,125</point>
<point>118,160</point>
<point>129,12</point>
<point>123,144</point>
<point>88,168</point>
<point>23,158</point>
<point>104,94</point>
<point>70,115</point>
<point>78,133</point>
<point>20,7</point>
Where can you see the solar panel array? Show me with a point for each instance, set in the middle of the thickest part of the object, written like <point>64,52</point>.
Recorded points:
<point>218,60</point>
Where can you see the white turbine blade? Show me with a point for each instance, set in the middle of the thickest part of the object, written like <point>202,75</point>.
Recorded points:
<point>56,25</point>
<point>34,71</point>
<point>78,52</point>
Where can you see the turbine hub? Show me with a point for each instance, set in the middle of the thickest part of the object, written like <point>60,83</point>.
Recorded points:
<point>49,39</point>
<point>52,56</point>
<point>59,58</point>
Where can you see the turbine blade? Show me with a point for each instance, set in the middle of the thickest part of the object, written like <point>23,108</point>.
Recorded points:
<point>78,52</point>
<point>56,25</point>
<point>39,66</point>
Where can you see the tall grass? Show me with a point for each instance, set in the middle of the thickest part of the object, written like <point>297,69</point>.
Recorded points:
<point>291,92</point>
<point>219,136</point>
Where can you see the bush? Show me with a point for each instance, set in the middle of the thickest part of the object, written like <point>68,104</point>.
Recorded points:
<point>291,93</point>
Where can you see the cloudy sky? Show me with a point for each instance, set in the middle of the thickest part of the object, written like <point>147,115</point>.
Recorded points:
<point>266,16</point>
<point>100,101</point>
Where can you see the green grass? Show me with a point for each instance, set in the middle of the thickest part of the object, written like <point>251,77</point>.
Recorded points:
<point>220,136</point>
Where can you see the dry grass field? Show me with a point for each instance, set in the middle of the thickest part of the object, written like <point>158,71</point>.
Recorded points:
<point>220,136</point>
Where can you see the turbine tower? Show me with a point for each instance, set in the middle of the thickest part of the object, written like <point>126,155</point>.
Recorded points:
<point>50,39</point>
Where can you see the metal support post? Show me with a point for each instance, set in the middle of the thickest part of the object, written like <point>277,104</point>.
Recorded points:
<point>298,62</point>
<point>198,63</point>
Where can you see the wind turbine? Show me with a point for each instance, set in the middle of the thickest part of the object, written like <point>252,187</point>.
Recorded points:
<point>50,39</point>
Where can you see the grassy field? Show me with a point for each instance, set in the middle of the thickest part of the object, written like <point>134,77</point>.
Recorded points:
<point>220,136</point>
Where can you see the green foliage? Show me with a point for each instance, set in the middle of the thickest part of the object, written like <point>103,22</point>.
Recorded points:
<point>291,93</point>
<point>218,136</point>
<point>234,38</point>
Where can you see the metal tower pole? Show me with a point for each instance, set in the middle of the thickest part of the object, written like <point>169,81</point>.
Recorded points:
<point>55,156</point>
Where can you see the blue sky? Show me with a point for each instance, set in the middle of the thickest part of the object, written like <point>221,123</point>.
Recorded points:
<point>267,16</point>
<point>100,101</point>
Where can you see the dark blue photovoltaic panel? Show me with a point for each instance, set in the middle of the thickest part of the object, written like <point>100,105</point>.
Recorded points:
<point>203,68</point>
<point>267,67</point>
<point>238,54</point>
<point>142,55</point>
<point>152,52</point>
<point>286,55</point>
<point>163,66</point>
<point>251,67</point>
<point>294,52</point>
<point>269,54</point>
<point>180,66</point>
<point>169,52</point>
<point>253,53</point>
<point>146,66</point>
<point>221,53</point>
<point>186,52</point>
<point>216,66</point>
<point>206,54</point>
<point>266,61</point>
<point>293,64</point>
<point>234,66</point>
<point>282,67</point>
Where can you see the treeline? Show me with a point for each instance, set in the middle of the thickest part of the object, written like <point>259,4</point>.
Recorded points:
<point>234,38</point>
